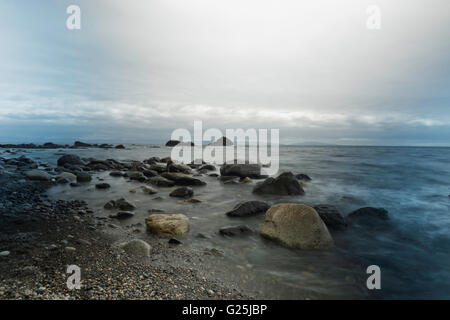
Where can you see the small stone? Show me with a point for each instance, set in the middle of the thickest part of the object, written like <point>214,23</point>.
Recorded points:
<point>4,253</point>
<point>70,249</point>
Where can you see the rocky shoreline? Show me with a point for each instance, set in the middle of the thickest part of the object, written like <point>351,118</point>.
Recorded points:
<point>41,237</point>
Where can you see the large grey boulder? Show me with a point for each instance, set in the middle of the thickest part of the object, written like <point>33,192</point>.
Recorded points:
<point>296,226</point>
<point>284,185</point>
<point>248,208</point>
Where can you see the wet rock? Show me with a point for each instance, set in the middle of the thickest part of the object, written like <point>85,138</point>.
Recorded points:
<point>62,181</point>
<point>331,216</point>
<point>120,146</point>
<point>296,226</point>
<point>242,170</point>
<point>178,167</point>
<point>148,190</point>
<point>182,179</point>
<point>248,208</point>
<point>182,192</point>
<point>302,177</point>
<point>70,159</point>
<point>208,167</point>
<point>246,180</point>
<point>70,249</point>
<point>110,205</point>
<point>224,141</point>
<point>150,173</point>
<point>136,175</point>
<point>67,175</point>
<point>284,184</point>
<point>75,184</point>
<point>38,175</point>
<point>116,174</point>
<point>83,177</point>
<point>123,215</point>
<point>136,247</point>
<point>192,200</point>
<point>103,185</point>
<point>369,212</point>
<point>4,253</point>
<point>124,204</point>
<point>228,178</point>
<point>161,182</point>
<point>235,230</point>
<point>169,225</point>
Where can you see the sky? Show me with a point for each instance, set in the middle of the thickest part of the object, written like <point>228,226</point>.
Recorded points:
<point>137,70</point>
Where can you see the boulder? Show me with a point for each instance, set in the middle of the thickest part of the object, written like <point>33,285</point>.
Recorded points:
<point>158,168</point>
<point>136,175</point>
<point>208,167</point>
<point>242,170</point>
<point>81,144</point>
<point>136,247</point>
<point>224,141</point>
<point>169,225</point>
<point>331,216</point>
<point>178,167</point>
<point>70,159</point>
<point>248,208</point>
<point>285,185</point>
<point>37,175</point>
<point>116,174</point>
<point>181,179</point>
<point>182,192</point>
<point>369,212</point>
<point>120,146</point>
<point>102,185</point>
<point>161,182</point>
<point>83,177</point>
<point>296,226</point>
<point>235,230</point>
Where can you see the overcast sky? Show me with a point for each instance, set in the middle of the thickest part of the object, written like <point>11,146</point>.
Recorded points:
<point>139,69</point>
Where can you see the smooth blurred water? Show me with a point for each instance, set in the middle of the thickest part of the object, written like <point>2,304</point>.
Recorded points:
<point>412,248</point>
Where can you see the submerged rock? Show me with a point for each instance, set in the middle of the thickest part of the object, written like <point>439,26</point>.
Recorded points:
<point>369,212</point>
<point>169,225</point>
<point>123,215</point>
<point>296,226</point>
<point>148,190</point>
<point>70,159</point>
<point>83,177</point>
<point>182,179</point>
<point>285,184</point>
<point>116,174</point>
<point>103,185</point>
<point>303,177</point>
<point>331,216</point>
<point>124,204</point>
<point>67,175</point>
<point>136,247</point>
<point>120,146</point>
<point>182,192</point>
<point>172,143</point>
<point>235,230</point>
<point>248,208</point>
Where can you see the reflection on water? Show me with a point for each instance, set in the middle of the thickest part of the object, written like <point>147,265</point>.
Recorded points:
<point>412,248</point>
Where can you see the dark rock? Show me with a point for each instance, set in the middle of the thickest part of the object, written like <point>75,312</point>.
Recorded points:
<point>110,205</point>
<point>248,208</point>
<point>150,173</point>
<point>75,184</point>
<point>182,192</point>
<point>116,174</point>
<point>70,159</point>
<point>120,146</point>
<point>123,215</point>
<point>136,175</point>
<point>235,230</point>
<point>83,177</point>
<point>161,182</point>
<point>63,181</point>
<point>172,143</point>
<point>81,144</point>
<point>102,185</point>
<point>174,241</point>
<point>124,205</point>
<point>158,168</point>
<point>222,142</point>
<point>208,167</point>
<point>175,167</point>
<point>331,216</point>
<point>284,184</point>
<point>302,177</point>
<point>369,212</point>
<point>242,170</point>
<point>181,179</point>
